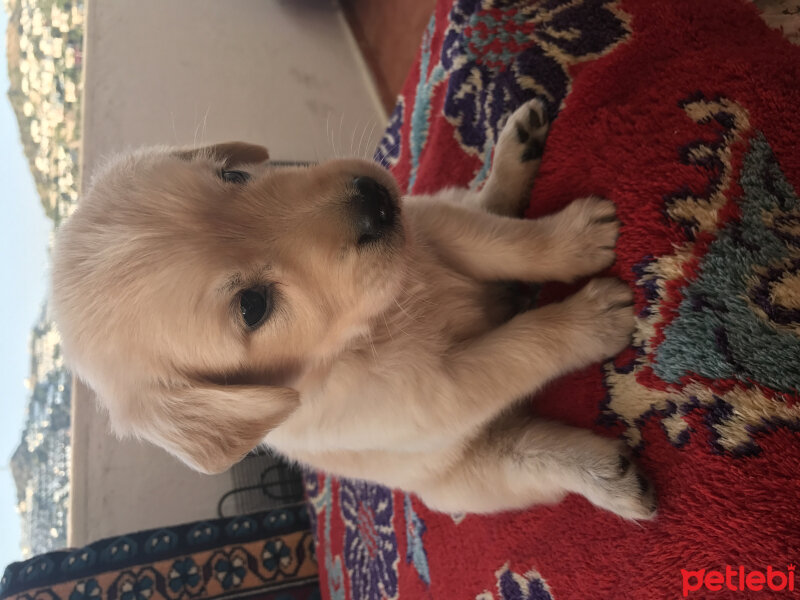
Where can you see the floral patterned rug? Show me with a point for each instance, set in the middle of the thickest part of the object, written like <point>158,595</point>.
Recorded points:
<point>684,113</point>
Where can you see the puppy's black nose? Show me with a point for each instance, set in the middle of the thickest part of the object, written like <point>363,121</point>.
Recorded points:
<point>373,209</point>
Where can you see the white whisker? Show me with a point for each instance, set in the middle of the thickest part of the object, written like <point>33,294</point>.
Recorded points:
<point>341,122</point>
<point>327,129</point>
<point>361,139</point>
<point>369,137</point>
<point>352,141</point>
<point>205,124</point>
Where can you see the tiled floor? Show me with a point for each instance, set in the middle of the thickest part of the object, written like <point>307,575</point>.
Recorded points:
<point>389,33</point>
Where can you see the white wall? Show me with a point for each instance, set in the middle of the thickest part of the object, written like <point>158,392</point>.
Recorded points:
<point>283,73</point>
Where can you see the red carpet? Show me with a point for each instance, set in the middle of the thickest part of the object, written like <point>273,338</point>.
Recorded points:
<point>685,114</point>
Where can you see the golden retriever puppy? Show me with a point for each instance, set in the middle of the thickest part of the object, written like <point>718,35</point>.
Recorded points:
<point>215,302</point>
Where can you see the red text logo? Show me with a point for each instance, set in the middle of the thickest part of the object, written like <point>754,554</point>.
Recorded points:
<point>738,579</point>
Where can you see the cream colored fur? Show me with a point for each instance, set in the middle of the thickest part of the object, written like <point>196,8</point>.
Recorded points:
<point>404,362</point>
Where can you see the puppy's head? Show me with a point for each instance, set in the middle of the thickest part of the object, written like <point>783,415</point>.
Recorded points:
<point>192,287</point>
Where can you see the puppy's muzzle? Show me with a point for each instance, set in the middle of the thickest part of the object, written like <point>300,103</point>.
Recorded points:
<point>374,210</point>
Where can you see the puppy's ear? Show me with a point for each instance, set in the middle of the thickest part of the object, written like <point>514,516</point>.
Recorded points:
<point>210,428</point>
<point>233,153</point>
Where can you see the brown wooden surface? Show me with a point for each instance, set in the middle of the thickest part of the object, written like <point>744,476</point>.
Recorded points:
<point>389,33</point>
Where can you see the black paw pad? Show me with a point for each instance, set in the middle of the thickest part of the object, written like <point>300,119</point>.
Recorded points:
<point>644,485</point>
<point>534,119</point>
<point>522,135</point>
<point>533,150</point>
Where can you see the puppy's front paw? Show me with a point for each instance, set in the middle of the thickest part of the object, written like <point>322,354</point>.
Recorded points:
<point>517,157</point>
<point>522,138</point>
<point>584,235</point>
<point>603,313</point>
<point>617,484</point>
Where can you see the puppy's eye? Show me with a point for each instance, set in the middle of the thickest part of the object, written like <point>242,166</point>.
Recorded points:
<point>239,177</point>
<point>255,304</point>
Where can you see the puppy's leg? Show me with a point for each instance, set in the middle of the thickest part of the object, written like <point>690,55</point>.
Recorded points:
<point>575,242</point>
<point>488,374</point>
<point>519,461</point>
<point>539,345</point>
<point>517,157</point>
